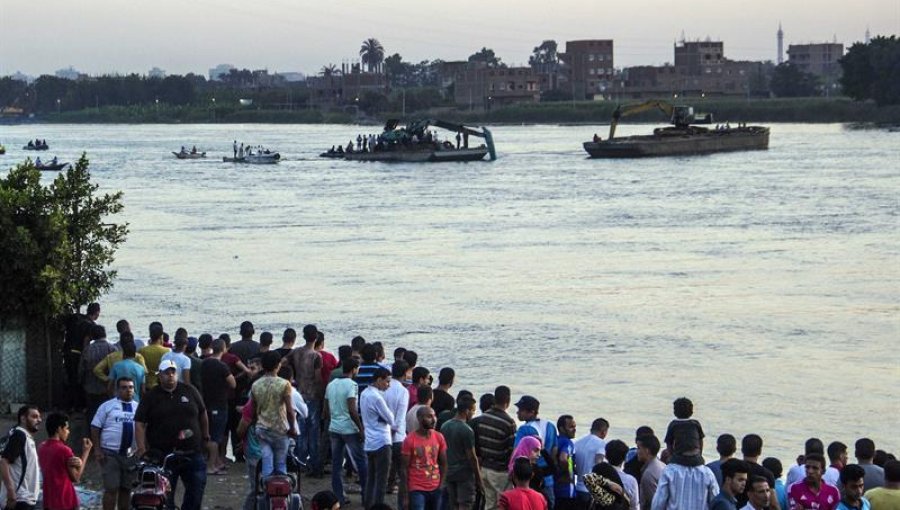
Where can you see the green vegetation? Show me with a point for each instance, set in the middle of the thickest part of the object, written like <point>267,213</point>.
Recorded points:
<point>58,242</point>
<point>872,71</point>
<point>420,103</point>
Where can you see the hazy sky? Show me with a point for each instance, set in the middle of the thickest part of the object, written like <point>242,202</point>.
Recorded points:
<point>180,36</point>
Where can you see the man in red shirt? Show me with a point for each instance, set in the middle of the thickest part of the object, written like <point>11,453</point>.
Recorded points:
<point>59,465</point>
<point>522,497</point>
<point>329,362</point>
<point>423,464</point>
<point>812,493</point>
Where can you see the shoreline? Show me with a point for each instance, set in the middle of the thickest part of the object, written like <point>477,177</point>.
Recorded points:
<point>789,110</point>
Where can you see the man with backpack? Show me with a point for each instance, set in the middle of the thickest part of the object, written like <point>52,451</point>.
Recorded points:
<point>543,430</point>
<point>19,472</point>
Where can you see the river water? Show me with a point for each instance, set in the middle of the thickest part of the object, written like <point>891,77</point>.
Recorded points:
<point>763,285</point>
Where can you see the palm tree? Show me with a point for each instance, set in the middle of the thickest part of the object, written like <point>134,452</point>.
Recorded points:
<point>329,70</point>
<point>372,53</point>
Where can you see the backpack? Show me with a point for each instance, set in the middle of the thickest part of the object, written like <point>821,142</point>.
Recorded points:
<point>4,443</point>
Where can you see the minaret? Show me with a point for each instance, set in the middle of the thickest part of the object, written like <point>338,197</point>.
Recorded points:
<point>868,35</point>
<point>780,44</point>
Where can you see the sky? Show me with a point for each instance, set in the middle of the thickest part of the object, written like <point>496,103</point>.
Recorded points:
<point>181,36</point>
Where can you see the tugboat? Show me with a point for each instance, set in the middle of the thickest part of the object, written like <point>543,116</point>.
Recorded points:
<point>683,138</point>
<point>415,143</point>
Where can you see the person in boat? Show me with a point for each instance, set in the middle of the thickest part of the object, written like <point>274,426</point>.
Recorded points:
<point>340,149</point>
<point>234,147</point>
<point>54,161</point>
<point>240,153</point>
<point>194,150</point>
<point>458,139</point>
<point>350,147</point>
<point>183,150</point>
<point>597,138</point>
<point>30,144</point>
<point>37,162</point>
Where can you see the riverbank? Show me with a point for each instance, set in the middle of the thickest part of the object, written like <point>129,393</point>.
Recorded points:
<point>804,110</point>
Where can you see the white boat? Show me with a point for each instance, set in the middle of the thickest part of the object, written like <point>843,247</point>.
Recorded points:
<point>264,158</point>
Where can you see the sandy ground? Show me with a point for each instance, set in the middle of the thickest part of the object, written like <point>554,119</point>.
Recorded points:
<point>223,492</point>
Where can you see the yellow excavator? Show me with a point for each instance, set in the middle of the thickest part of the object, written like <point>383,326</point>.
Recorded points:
<point>679,116</point>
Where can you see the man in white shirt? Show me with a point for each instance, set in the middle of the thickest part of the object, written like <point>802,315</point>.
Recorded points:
<point>112,429</point>
<point>837,455</point>
<point>181,360</point>
<point>589,450</point>
<point>377,421</point>
<point>19,471</point>
<point>397,398</point>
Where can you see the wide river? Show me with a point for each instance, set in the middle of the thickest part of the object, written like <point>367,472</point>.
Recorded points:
<point>763,285</point>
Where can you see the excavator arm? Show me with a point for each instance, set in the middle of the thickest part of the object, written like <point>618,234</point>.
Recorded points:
<point>624,111</point>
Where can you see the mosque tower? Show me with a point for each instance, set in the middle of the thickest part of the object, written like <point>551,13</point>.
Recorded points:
<point>868,35</point>
<point>780,44</point>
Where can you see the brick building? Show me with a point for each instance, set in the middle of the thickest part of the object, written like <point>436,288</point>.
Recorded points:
<point>478,86</point>
<point>587,68</point>
<point>700,69</point>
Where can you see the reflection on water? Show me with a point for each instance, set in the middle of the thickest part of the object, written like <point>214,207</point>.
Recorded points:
<point>764,285</point>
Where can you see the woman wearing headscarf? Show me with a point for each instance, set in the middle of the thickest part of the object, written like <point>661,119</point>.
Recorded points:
<point>530,448</point>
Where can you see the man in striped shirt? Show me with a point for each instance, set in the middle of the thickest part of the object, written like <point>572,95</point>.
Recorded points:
<point>495,433</point>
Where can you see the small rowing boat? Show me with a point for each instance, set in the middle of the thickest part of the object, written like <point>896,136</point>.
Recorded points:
<point>189,155</point>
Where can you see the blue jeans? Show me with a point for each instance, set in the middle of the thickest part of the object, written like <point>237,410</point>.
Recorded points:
<point>308,443</point>
<point>192,471</point>
<point>274,448</point>
<point>421,500</point>
<point>250,500</point>
<point>354,445</point>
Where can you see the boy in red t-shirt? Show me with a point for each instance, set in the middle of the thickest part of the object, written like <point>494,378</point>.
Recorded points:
<point>522,497</point>
<point>59,465</point>
<point>423,464</point>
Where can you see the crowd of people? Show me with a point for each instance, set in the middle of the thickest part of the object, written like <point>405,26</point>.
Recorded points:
<point>376,143</point>
<point>407,443</point>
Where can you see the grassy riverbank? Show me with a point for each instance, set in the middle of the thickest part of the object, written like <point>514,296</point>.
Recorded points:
<point>809,110</point>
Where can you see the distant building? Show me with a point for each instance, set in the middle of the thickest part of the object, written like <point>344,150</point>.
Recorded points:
<point>345,86</point>
<point>215,73</point>
<point>587,68</point>
<point>699,57</point>
<point>69,73</point>
<point>481,87</point>
<point>701,69</point>
<point>156,73</point>
<point>780,37</point>
<point>821,60</point>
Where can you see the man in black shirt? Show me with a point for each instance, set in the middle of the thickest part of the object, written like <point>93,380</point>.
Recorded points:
<point>245,348</point>
<point>443,401</point>
<point>751,448</point>
<point>172,418</point>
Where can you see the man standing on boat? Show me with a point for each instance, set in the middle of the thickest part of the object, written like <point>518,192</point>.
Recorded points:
<point>235,147</point>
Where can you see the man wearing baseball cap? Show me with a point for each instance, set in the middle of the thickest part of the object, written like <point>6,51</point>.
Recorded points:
<point>543,430</point>
<point>172,418</point>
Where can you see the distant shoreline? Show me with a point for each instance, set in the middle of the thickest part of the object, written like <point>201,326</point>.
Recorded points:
<point>795,110</point>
